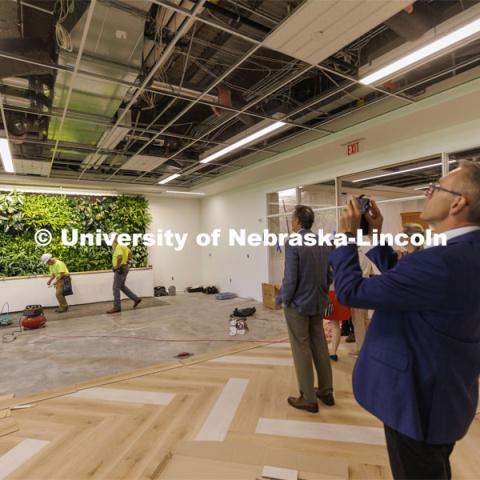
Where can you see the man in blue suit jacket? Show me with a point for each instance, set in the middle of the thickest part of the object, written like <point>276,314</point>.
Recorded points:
<point>304,294</point>
<point>419,366</point>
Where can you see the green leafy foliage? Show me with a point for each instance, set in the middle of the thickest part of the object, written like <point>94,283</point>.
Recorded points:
<point>11,216</point>
<point>22,215</point>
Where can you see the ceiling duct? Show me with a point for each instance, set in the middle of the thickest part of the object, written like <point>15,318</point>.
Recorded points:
<point>411,23</point>
<point>113,49</point>
<point>110,139</point>
<point>183,91</point>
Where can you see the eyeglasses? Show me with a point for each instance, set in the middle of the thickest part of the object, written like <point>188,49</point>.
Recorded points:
<point>436,186</point>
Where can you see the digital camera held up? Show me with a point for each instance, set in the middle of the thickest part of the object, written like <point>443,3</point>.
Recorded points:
<point>365,206</point>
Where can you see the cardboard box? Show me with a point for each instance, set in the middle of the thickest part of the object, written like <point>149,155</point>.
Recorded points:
<point>269,292</point>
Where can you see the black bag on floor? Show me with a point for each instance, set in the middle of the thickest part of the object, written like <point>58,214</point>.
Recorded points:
<point>194,289</point>
<point>210,290</point>
<point>244,312</point>
<point>160,292</point>
<point>67,286</point>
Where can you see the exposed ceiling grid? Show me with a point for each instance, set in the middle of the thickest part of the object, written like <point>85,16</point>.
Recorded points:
<point>209,73</point>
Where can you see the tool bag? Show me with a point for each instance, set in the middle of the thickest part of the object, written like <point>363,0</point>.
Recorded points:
<point>67,286</point>
<point>244,312</point>
<point>210,290</point>
<point>160,292</point>
<point>194,289</point>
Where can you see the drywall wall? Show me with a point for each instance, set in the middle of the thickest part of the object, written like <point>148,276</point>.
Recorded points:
<point>88,287</point>
<point>448,123</point>
<point>170,267</point>
<point>237,269</point>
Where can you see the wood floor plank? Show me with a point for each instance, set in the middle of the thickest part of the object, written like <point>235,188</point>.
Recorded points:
<point>109,440</point>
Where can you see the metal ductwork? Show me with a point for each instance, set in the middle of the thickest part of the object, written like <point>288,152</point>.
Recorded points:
<point>411,23</point>
<point>113,49</point>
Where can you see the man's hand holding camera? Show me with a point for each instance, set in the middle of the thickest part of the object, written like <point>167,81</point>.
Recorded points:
<point>352,214</point>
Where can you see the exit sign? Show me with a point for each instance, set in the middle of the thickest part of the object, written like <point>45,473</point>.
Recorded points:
<point>353,147</point>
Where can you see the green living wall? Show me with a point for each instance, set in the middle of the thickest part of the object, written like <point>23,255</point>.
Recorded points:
<point>22,215</point>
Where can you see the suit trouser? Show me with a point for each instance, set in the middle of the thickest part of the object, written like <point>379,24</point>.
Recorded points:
<point>308,342</point>
<point>119,279</point>
<point>62,302</point>
<point>360,324</point>
<point>416,460</point>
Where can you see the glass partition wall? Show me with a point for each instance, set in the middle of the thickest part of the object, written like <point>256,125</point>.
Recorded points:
<point>398,189</point>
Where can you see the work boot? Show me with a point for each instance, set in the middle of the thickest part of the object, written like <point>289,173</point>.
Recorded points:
<point>114,310</point>
<point>61,310</point>
<point>302,404</point>
<point>136,302</point>
<point>327,398</point>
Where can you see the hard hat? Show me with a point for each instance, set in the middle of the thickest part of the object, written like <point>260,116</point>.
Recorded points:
<point>46,257</point>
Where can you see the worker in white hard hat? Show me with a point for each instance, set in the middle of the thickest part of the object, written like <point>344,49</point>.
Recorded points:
<point>58,271</point>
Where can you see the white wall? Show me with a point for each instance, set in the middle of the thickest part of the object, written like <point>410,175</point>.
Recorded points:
<point>236,269</point>
<point>170,267</point>
<point>447,123</point>
<point>87,288</point>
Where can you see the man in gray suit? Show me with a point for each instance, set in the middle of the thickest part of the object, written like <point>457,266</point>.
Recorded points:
<point>304,295</point>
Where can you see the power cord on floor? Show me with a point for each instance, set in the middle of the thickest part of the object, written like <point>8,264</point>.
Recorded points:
<point>170,340</point>
<point>5,320</point>
<point>12,336</point>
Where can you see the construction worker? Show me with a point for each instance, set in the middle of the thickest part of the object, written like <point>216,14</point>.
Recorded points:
<point>120,259</point>
<point>58,271</point>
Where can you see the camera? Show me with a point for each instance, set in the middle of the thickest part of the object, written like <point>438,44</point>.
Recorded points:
<point>364,203</point>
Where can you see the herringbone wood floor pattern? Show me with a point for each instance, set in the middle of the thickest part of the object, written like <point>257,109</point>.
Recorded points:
<point>91,438</point>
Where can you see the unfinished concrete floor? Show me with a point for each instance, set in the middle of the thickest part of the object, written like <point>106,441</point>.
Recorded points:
<point>82,345</point>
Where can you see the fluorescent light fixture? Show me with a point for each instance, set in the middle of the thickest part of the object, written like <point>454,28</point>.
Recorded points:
<point>423,187</point>
<point>6,156</point>
<point>57,191</point>
<point>184,193</point>
<point>399,172</point>
<point>244,141</point>
<point>169,179</point>
<point>291,192</point>
<point>434,47</point>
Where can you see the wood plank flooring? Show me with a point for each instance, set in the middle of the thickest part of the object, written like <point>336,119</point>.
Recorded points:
<point>199,420</point>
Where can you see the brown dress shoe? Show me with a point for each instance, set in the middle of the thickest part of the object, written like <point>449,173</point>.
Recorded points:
<point>327,399</point>
<point>302,404</point>
<point>114,310</point>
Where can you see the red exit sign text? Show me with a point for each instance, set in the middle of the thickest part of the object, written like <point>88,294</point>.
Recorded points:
<point>353,148</point>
